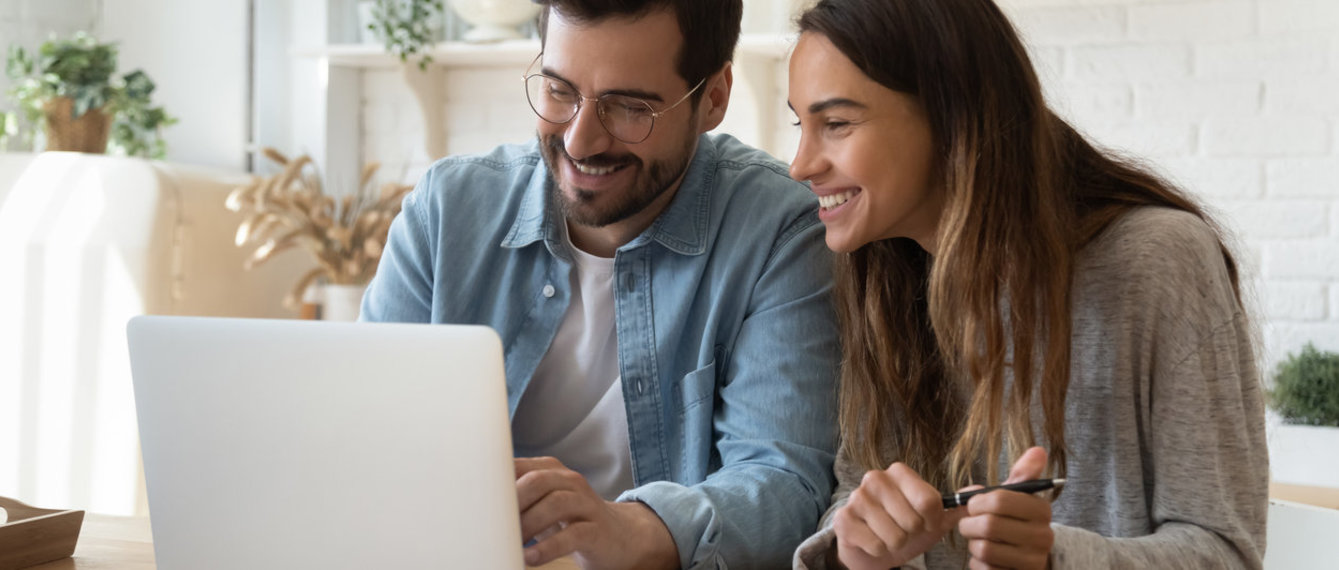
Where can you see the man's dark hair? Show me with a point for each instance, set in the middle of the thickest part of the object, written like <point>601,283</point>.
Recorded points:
<point>710,28</point>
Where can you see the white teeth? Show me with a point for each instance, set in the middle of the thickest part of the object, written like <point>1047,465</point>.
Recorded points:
<point>834,200</point>
<point>593,170</point>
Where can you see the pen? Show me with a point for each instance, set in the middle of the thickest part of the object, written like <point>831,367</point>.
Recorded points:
<point>1033,486</point>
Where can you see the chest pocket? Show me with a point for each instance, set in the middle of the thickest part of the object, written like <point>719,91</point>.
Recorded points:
<point>696,387</point>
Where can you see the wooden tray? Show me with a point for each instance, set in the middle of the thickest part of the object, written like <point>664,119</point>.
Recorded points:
<point>32,536</point>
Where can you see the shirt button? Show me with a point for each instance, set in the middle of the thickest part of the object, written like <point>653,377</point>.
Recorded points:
<point>548,291</point>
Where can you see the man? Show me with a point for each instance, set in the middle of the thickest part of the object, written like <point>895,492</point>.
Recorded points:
<point>662,296</point>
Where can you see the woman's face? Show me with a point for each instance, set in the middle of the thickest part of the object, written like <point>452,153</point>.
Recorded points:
<point>865,149</point>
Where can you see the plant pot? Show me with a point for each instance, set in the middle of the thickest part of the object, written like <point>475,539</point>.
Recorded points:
<point>1304,455</point>
<point>342,302</point>
<point>494,20</point>
<point>87,134</point>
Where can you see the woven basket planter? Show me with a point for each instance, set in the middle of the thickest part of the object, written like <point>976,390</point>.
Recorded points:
<point>88,133</point>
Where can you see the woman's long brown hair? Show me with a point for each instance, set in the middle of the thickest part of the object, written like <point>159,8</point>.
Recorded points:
<point>944,355</point>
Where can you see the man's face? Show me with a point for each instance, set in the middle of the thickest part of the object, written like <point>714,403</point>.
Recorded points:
<point>600,180</point>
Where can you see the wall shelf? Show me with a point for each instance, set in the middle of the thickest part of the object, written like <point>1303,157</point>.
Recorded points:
<point>505,53</point>
<point>448,54</point>
<point>341,67</point>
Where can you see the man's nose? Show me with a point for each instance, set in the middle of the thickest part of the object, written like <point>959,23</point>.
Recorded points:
<point>586,135</point>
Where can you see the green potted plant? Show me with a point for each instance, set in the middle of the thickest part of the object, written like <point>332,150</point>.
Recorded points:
<point>68,90</point>
<point>406,27</point>
<point>1306,398</point>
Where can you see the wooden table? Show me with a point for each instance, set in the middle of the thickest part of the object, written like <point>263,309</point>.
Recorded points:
<point>125,543</point>
<point>108,542</point>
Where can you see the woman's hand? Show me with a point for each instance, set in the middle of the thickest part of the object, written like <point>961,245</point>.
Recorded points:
<point>1008,529</point>
<point>892,517</point>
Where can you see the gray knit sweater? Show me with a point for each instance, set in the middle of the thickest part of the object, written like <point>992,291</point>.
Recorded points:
<point>1164,417</point>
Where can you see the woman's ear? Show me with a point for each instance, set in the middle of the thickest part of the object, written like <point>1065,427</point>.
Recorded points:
<point>716,99</point>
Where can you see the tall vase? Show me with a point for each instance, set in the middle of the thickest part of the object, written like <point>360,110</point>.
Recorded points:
<point>494,20</point>
<point>342,302</point>
<point>426,84</point>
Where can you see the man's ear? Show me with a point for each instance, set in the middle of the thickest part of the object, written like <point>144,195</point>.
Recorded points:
<point>716,99</point>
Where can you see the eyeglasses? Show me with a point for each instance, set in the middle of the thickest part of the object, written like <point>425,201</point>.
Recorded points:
<point>625,118</point>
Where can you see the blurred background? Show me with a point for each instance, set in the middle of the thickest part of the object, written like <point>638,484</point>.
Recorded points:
<point>1237,100</point>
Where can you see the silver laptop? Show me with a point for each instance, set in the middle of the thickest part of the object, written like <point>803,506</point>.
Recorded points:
<point>302,444</point>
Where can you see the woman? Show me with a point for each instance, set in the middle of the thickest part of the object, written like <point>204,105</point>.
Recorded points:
<point>1003,284</point>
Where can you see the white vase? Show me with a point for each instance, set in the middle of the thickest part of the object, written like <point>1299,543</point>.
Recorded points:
<point>1304,455</point>
<point>342,302</point>
<point>494,20</point>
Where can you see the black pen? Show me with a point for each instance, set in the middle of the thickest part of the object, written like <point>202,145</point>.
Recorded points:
<point>1033,486</point>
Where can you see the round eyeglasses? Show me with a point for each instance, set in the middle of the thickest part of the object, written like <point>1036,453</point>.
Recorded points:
<point>628,119</point>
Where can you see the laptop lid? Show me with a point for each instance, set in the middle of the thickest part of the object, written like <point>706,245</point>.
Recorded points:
<point>302,444</point>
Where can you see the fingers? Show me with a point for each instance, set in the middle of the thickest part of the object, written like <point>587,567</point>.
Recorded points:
<point>1011,504</point>
<point>567,540</point>
<point>525,465</point>
<point>854,531</point>
<point>550,495</point>
<point>989,554</point>
<point>1030,465</point>
<point>1005,530</point>
<point>892,516</point>
<point>916,495</point>
<point>882,505</point>
<point>975,564</point>
<point>533,485</point>
<point>554,509</point>
<point>878,517</point>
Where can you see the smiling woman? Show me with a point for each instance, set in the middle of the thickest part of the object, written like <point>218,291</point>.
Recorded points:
<point>849,124</point>
<point>1005,286</point>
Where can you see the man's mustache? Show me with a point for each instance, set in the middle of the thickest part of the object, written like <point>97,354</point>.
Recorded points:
<point>602,160</point>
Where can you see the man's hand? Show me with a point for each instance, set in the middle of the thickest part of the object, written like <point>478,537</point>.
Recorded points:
<point>1008,529</point>
<point>891,518</point>
<point>561,512</point>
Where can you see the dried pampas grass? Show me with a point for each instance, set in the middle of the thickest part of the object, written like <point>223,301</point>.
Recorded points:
<point>345,235</point>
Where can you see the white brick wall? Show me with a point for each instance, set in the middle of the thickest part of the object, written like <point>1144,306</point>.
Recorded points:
<point>1237,100</point>
<point>482,107</point>
<point>1295,300</point>
<point>1334,302</point>
<point>1256,82</point>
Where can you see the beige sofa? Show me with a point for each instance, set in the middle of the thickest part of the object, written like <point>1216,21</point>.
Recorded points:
<point>86,242</point>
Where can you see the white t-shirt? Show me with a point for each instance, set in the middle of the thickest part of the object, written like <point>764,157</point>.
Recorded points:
<point>573,408</point>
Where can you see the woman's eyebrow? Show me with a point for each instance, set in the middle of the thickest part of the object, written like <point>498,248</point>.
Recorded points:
<point>820,106</point>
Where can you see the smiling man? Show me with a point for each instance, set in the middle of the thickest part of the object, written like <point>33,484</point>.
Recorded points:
<point>662,294</point>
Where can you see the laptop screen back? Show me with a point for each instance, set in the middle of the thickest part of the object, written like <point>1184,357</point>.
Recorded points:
<point>300,444</point>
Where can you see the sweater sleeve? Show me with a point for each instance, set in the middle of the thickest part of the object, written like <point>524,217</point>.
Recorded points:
<point>1209,468</point>
<point>1199,408</point>
<point>812,554</point>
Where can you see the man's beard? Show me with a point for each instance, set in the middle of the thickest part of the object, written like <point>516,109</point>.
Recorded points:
<point>649,184</point>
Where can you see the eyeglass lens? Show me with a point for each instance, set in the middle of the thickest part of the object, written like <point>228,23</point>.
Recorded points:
<point>626,118</point>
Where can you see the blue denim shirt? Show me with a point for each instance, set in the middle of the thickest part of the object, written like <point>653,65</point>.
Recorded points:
<point>727,340</point>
